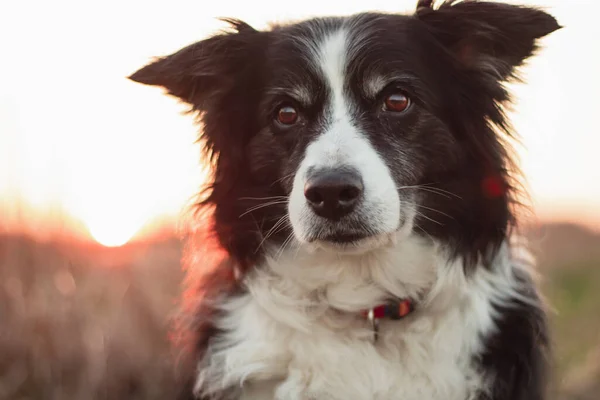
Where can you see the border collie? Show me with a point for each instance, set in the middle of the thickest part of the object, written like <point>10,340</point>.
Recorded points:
<point>363,201</point>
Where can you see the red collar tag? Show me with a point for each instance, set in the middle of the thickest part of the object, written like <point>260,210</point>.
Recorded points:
<point>393,310</point>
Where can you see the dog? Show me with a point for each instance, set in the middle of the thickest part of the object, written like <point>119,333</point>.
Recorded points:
<point>364,201</point>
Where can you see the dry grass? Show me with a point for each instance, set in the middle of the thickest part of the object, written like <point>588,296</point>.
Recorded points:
<point>86,325</point>
<point>82,322</point>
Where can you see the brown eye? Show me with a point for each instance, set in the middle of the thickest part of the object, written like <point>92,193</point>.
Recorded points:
<point>287,115</point>
<point>397,102</point>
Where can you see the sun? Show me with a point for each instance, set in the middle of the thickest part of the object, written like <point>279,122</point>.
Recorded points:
<point>110,231</point>
<point>110,236</point>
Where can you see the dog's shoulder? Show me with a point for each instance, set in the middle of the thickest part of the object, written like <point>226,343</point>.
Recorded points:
<point>517,354</point>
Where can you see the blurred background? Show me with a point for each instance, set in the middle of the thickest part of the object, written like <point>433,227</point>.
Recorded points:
<point>96,170</point>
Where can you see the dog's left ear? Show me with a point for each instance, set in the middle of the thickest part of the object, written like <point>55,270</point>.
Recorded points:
<point>486,35</point>
<point>198,72</point>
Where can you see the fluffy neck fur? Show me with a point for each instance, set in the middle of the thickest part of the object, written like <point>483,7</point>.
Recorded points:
<point>297,332</point>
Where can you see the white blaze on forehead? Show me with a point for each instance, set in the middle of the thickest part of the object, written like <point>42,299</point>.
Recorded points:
<point>334,146</point>
<point>332,62</point>
<point>342,144</point>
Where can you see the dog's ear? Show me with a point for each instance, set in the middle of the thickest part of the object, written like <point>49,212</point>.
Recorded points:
<point>198,71</point>
<point>486,35</point>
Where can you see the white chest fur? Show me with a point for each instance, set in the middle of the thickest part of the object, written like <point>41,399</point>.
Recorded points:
<point>298,333</point>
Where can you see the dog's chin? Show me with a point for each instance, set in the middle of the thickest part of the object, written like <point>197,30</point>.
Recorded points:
<point>346,240</point>
<point>353,243</point>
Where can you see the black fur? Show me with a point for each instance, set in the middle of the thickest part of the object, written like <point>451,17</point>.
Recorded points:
<point>457,57</point>
<point>518,354</point>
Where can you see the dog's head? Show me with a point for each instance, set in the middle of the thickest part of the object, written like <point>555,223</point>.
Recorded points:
<point>342,132</point>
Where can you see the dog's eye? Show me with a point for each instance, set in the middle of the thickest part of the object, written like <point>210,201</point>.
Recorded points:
<point>396,102</point>
<point>287,115</point>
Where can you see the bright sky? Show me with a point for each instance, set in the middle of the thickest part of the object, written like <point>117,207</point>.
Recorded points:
<point>74,133</point>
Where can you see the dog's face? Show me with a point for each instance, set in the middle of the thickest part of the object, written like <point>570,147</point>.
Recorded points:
<point>349,125</point>
<point>341,132</point>
<point>346,115</point>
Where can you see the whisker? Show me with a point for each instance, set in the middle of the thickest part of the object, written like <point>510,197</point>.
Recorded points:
<point>430,219</point>
<point>282,178</point>
<point>258,207</point>
<point>432,189</point>
<point>445,191</point>
<point>424,232</point>
<point>437,211</point>
<point>283,246</point>
<point>264,198</point>
<point>281,223</point>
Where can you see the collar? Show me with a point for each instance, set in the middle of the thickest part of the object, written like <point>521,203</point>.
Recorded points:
<point>394,310</point>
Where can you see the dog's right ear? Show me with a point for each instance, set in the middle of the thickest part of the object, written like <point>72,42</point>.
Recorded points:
<point>486,36</point>
<point>199,71</point>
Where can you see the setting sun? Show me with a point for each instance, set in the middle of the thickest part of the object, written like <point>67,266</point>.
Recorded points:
<point>111,233</point>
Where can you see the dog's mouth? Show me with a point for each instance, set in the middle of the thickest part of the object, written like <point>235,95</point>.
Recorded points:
<point>352,242</point>
<point>359,239</point>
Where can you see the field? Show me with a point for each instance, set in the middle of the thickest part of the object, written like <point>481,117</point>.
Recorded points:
<point>85,322</point>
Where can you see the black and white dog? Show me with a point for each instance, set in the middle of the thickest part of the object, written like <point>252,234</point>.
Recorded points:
<point>363,197</point>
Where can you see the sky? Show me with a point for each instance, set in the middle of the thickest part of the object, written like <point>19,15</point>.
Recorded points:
<point>76,135</point>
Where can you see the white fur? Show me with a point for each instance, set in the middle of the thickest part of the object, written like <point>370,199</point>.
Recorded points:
<point>298,332</point>
<point>343,145</point>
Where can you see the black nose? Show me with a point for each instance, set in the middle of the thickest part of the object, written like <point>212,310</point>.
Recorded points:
<point>333,194</point>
